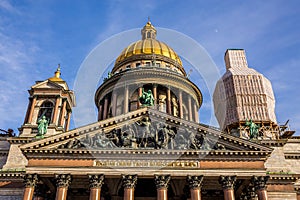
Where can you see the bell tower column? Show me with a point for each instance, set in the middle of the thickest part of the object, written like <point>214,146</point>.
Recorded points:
<point>31,109</point>
<point>55,119</point>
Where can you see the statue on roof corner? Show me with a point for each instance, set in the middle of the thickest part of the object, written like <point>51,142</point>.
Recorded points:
<point>146,99</point>
<point>253,129</point>
<point>42,127</point>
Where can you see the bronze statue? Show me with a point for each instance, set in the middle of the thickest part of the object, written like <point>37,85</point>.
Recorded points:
<point>42,126</point>
<point>146,99</point>
<point>253,129</point>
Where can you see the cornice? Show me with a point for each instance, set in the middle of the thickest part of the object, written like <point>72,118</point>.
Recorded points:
<point>145,154</point>
<point>274,143</point>
<point>295,155</point>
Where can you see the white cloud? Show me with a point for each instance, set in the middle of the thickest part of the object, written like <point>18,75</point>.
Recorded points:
<point>17,72</point>
<point>6,5</point>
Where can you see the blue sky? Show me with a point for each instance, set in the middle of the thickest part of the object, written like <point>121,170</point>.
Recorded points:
<point>37,35</point>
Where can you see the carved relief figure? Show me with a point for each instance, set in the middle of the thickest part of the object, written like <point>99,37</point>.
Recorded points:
<point>87,141</point>
<point>162,136</point>
<point>100,140</point>
<point>145,125</point>
<point>127,136</point>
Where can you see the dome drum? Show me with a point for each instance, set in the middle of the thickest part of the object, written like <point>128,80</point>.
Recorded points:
<point>173,93</point>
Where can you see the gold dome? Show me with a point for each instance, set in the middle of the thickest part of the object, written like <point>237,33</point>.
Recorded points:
<point>148,47</point>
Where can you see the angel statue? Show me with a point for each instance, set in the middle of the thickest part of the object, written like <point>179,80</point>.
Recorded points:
<point>253,129</point>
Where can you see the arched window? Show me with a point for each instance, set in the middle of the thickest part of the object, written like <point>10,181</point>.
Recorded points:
<point>46,110</point>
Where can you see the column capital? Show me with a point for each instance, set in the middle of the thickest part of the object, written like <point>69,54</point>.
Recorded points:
<point>297,189</point>
<point>249,193</point>
<point>63,180</point>
<point>162,181</point>
<point>227,182</point>
<point>129,181</point>
<point>259,182</point>
<point>96,181</point>
<point>194,182</point>
<point>30,180</point>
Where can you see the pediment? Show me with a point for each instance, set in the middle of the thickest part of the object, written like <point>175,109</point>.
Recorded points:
<point>47,85</point>
<point>146,129</point>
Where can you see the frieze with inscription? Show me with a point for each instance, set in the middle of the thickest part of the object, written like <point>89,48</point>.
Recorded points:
<point>145,163</point>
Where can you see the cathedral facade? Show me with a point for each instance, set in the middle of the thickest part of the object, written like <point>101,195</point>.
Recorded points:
<point>148,142</point>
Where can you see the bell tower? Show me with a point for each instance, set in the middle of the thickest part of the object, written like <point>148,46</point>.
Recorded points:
<point>52,100</point>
